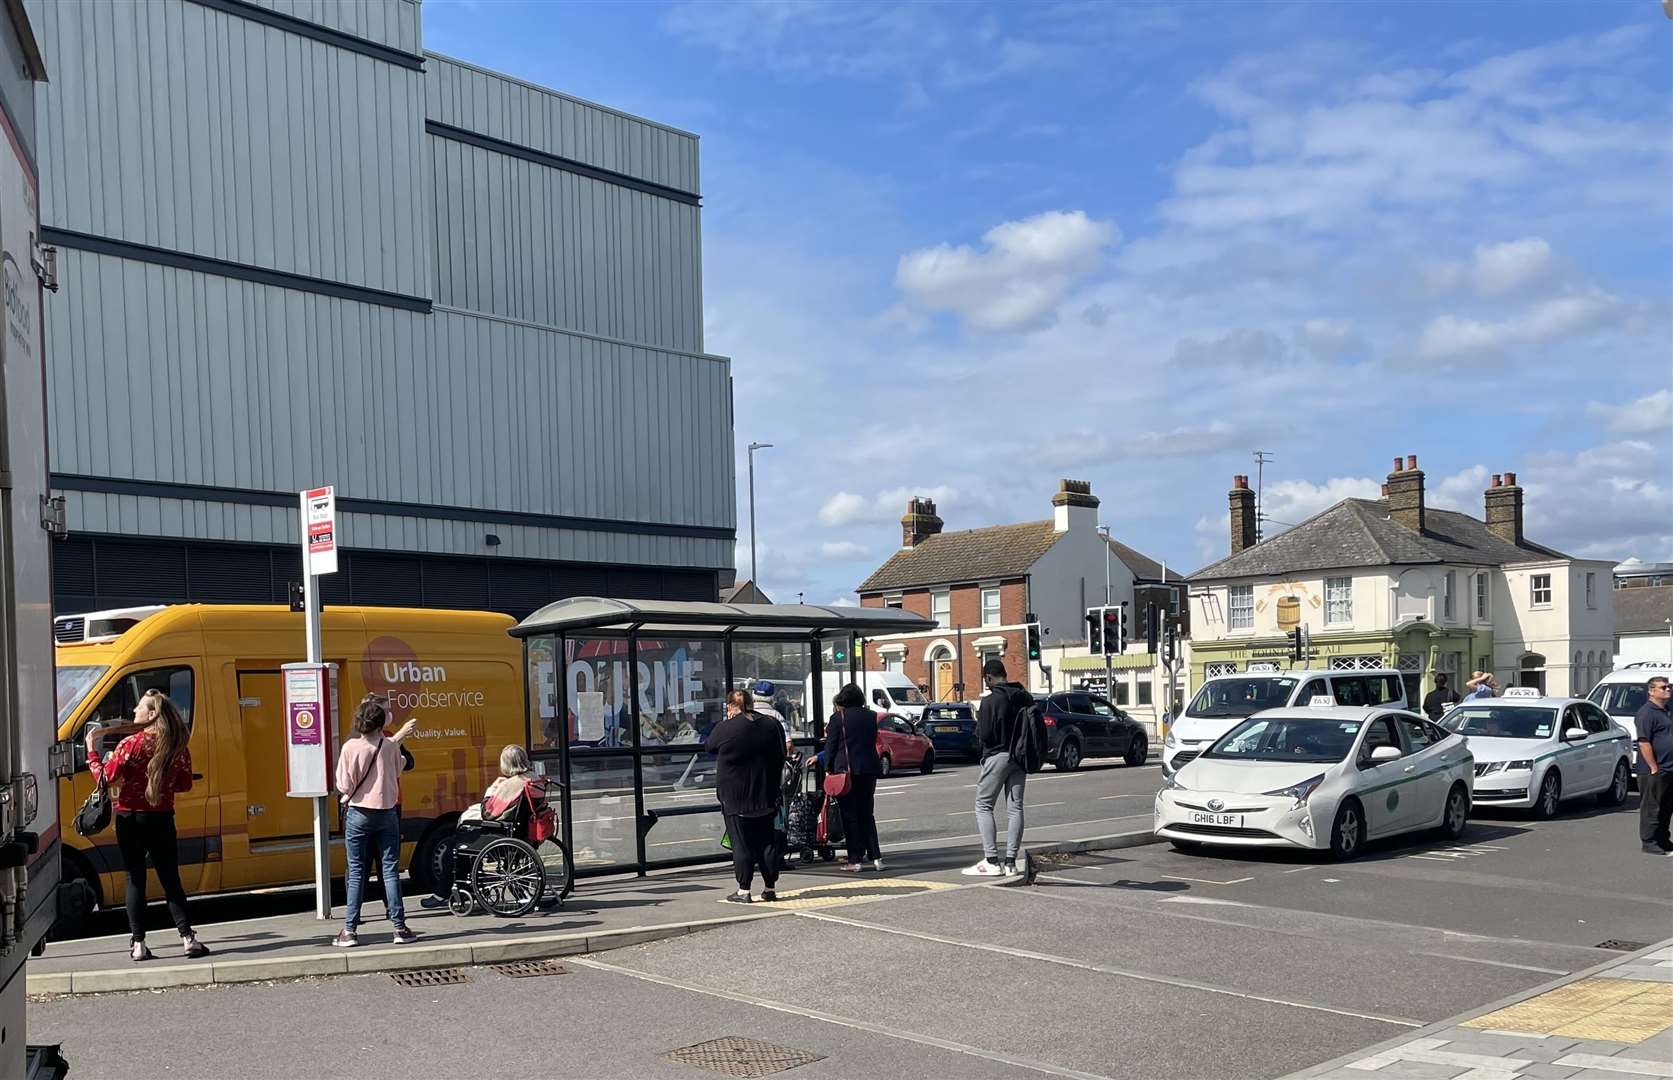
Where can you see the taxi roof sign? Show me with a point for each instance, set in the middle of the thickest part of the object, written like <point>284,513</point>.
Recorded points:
<point>1321,701</point>
<point>1522,692</point>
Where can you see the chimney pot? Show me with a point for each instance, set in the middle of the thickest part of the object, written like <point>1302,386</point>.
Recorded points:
<point>1385,491</point>
<point>1497,480</point>
<point>1397,462</point>
<point>1411,461</point>
<point>1510,479</point>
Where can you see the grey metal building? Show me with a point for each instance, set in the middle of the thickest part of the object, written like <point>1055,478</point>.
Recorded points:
<point>295,249</point>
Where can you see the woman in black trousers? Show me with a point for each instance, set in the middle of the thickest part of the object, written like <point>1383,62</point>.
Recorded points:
<point>851,747</point>
<point>749,767</point>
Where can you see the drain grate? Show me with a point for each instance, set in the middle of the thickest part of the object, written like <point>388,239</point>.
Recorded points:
<point>1616,945</point>
<point>733,1055</point>
<point>529,969</point>
<point>430,977</point>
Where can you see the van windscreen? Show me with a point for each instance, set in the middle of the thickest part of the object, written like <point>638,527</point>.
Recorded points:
<point>906,695</point>
<point>73,685</point>
<point>1244,696</point>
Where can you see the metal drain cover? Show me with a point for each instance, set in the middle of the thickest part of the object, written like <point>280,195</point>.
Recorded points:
<point>430,977</point>
<point>737,1056</point>
<point>528,969</point>
<point>1617,945</point>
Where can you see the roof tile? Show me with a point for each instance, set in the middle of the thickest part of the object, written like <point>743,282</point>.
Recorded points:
<point>969,555</point>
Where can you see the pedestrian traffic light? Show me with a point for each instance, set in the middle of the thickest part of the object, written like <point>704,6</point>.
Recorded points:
<point>1170,643</point>
<point>839,650</point>
<point>1295,644</point>
<point>1033,641</point>
<point>1094,630</point>
<point>1150,629</point>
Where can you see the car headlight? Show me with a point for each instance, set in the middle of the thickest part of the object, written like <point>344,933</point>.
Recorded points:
<point>1524,765</point>
<point>1171,783</point>
<point>1299,792</point>
<point>1492,767</point>
<point>1170,740</point>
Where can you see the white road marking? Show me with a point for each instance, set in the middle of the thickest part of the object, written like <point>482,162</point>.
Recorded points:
<point>1202,900</point>
<point>1631,1066</point>
<point>699,840</point>
<point>826,1017</point>
<point>1206,881</point>
<point>1102,969</point>
<point>1144,795</point>
<point>892,820</point>
<point>1300,869</point>
<point>1493,963</point>
<point>1037,806</point>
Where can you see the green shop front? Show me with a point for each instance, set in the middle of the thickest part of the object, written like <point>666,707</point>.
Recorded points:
<point>1418,649</point>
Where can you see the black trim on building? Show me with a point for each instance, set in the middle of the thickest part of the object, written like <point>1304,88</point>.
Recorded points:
<point>303,28</point>
<point>203,264</point>
<point>553,161</point>
<point>158,489</point>
<point>96,572</point>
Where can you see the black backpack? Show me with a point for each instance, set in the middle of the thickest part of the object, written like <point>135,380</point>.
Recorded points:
<point>1028,732</point>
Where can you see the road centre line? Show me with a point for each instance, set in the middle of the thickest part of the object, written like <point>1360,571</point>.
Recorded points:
<point>1064,961</point>
<point>839,1021</point>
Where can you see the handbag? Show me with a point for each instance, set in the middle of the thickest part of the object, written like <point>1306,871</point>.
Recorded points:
<point>94,815</point>
<point>838,784</point>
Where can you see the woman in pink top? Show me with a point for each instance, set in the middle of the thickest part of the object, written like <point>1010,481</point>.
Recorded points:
<point>369,776</point>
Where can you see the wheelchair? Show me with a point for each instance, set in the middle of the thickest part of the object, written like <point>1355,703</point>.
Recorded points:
<point>508,862</point>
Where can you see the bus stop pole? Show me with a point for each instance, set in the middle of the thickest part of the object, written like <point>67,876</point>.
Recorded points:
<point>322,823</point>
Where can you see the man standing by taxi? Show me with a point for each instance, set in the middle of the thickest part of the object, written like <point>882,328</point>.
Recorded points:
<point>1655,764</point>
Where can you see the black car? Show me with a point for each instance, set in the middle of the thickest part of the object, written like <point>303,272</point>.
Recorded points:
<point>1080,725</point>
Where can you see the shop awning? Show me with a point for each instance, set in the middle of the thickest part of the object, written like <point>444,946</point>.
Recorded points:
<point>605,614</point>
<point>1124,662</point>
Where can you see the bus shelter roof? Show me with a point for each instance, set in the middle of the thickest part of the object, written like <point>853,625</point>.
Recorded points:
<point>791,620</point>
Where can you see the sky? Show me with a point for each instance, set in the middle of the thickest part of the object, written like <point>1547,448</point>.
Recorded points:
<point>967,250</point>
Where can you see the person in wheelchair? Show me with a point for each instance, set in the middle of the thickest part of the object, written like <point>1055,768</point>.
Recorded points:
<point>495,862</point>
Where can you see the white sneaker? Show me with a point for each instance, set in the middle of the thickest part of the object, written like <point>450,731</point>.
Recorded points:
<point>983,869</point>
<point>1010,869</point>
<point>877,864</point>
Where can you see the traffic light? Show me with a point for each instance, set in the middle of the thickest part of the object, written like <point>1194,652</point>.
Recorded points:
<point>1170,643</point>
<point>1033,641</point>
<point>1295,644</point>
<point>1094,631</point>
<point>1112,630</point>
<point>839,650</point>
<point>298,596</point>
<point>1150,629</point>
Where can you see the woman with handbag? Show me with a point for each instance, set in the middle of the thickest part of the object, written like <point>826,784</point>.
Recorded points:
<point>749,767</point>
<point>147,769</point>
<point>369,774</point>
<point>850,757</point>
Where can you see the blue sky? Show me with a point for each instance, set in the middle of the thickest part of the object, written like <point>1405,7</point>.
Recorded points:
<point>966,250</point>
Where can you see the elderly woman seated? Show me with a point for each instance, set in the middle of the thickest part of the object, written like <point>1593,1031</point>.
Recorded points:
<point>517,781</point>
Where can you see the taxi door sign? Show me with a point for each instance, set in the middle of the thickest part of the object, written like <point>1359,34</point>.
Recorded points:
<point>310,728</point>
<point>319,524</point>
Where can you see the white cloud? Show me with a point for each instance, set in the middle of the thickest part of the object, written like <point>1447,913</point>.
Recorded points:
<point>1287,503</point>
<point>1330,339</point>
<point>1604,502</point>
<point>1506,267</point>
<point>1449,336</point>
<point>1028,268</point>
<point>1650,413</point>
<point>843,550</point>
<point>847,508</point>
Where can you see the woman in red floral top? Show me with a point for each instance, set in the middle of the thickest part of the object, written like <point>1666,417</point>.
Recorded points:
<point>146,770</point>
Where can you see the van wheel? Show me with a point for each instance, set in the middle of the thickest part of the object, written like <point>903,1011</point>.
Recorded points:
<point>432,860</point>
<point>78,896</point>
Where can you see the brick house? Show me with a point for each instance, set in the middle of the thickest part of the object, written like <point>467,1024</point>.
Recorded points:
<point>981,584</point>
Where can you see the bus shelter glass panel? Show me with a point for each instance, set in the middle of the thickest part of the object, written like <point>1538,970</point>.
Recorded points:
<point>603,824</point>
<point>682,689</point>
<point>680,794</point>
<point>787,666</point>
<point>597,688</point>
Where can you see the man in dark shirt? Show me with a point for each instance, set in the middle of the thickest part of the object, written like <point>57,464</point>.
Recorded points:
<point>1655,758</point>
<point>996,721</point>
<point>1436,702</point>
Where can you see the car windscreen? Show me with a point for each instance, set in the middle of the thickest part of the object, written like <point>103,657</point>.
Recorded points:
<point>1241,696</point>
<point>1620,699</point>
<point>73,685</point>
<point>906,695</point>
<point>1502,721</point>
<point>947,712</point>
<point>1288,738</point>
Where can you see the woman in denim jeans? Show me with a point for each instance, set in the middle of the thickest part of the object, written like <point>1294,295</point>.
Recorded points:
<point>369,776</point>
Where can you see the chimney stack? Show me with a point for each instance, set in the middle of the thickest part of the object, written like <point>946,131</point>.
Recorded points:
<point>1405,494</point>
<point>1504,509</point>
<point>1243,514</point>
<point>919,523</point>
<point>1074,507</point>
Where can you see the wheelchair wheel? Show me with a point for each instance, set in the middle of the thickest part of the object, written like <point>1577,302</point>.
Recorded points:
<point>460,903</point>
<point>560,869</point>
<point>508,877</point>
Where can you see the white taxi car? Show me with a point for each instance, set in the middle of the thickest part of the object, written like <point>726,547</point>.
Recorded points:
<point>1533,752</point>
<point>1324,777</point>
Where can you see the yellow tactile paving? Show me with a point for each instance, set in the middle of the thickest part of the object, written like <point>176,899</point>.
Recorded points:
<point>1619,1010</point>
<point>849,892</point>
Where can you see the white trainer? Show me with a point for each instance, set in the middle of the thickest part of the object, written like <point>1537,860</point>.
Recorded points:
<point>983,869</point>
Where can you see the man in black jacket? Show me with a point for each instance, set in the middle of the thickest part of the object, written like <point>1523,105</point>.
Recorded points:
<point>996,721</point>
<point>1438,700</point>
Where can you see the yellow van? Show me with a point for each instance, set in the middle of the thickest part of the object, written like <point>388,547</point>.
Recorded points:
<point>458,672</point>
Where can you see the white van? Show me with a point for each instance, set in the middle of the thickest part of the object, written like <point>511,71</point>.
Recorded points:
<point>1227,700</point>
<point>886,691</point>
<point>1622,692</point>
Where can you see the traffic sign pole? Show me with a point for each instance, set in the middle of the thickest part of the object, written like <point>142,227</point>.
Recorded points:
<point>319,556</point>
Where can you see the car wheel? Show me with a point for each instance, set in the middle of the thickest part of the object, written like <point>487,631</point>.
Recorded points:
<point>927,766</point>
<point>1550,794</point>
<point>885,765</point>
<point>1616,793</point>
<point>1457,813</point>
<point>1347,836</point>
<point>1138,751</point>
<point>1068,755</point>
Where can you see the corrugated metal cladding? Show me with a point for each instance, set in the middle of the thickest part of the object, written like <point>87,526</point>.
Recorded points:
<point>528,241</point>
<point>496,105</point>
<point>393,24</point>
<point>196,378</point>
<point>179,126</point>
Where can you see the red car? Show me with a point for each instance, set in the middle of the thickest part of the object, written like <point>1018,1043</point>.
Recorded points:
<point>901,744</point>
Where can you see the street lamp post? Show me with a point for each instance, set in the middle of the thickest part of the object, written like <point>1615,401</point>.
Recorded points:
<point>1109,665</point>
<point>754,446</point>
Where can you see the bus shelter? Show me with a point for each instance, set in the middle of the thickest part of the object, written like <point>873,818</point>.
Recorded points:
<point>621,695</point>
